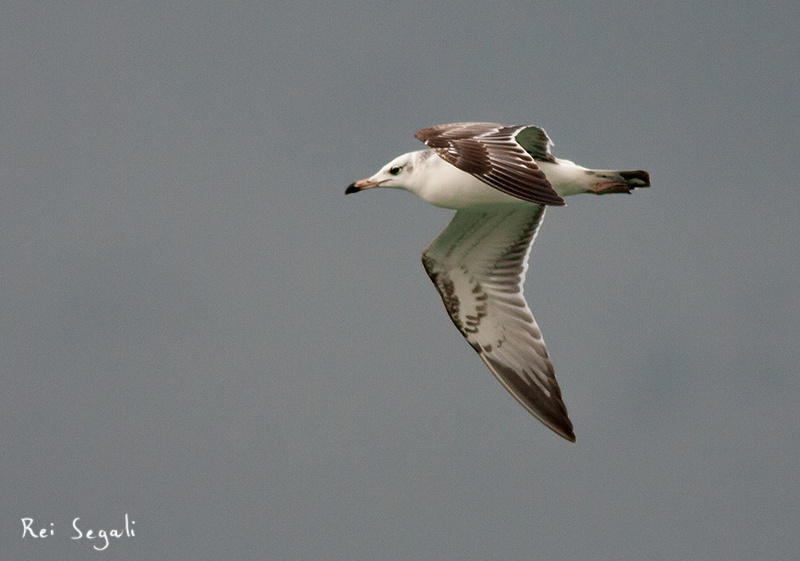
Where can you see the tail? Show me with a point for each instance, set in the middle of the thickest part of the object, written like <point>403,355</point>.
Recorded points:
<point>620,181</point>
<point>636,179</point>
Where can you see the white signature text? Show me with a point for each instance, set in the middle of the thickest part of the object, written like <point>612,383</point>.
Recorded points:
<point>99,537</point>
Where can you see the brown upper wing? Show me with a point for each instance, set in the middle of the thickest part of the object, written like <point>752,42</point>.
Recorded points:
<point>494,154</point>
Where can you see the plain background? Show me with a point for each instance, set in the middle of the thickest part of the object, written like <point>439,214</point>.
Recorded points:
<point>198,329</point>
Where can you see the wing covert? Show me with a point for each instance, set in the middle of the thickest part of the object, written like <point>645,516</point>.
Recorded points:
<point>501,156</point>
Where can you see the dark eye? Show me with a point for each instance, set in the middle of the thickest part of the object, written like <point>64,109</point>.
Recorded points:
<point>395,170</point>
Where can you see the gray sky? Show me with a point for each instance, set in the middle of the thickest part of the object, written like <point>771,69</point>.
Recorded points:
<point>198,328</point>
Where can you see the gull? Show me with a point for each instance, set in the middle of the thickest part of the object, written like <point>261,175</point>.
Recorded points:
<point>499,179</point>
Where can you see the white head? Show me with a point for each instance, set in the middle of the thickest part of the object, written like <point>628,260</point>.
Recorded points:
<point>397,174</point>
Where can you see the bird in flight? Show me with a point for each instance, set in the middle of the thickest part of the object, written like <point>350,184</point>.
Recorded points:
<point>499,179</point>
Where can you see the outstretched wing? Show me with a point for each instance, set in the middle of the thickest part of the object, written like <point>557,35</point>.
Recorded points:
<point>478,265</point>
<point>499,155</point>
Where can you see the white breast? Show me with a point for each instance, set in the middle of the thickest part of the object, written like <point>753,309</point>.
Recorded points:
<point>444,185</point>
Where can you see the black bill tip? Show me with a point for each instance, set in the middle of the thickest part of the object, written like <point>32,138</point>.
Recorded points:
<point>351,189</point>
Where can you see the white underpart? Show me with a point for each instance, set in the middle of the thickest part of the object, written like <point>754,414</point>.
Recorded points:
<point>444,185</point>
<point>567,178</point>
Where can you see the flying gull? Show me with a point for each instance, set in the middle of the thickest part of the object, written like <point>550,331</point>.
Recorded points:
<point>499,179</point>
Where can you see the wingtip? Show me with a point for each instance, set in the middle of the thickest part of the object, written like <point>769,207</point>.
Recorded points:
<point>555,200</point>
<point>549,196</point>
<point>552,412</point>
<point>563,428</point>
